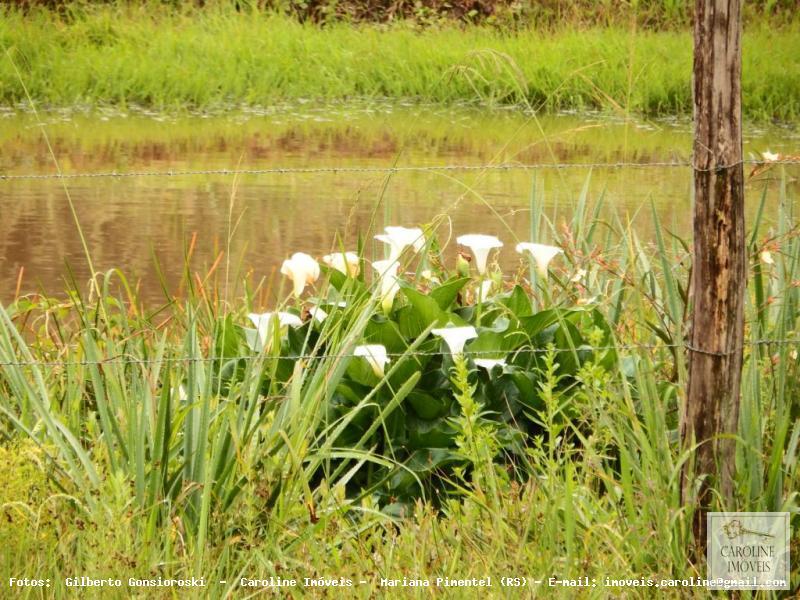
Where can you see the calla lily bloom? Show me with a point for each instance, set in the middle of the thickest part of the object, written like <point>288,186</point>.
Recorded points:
<point>389,282</point>
<point>770,157</point>
<point>344,262</point>
<point>490,363</point>
<point>317,314</point>
<point>456,337</point>
<point>542,254</point>
<point>398,238</point>
<point>263,323</point>
<point>302,269</point>
<point>376,356</point>
<point>485,290</point>
<point>766,257</point>
<point>480,245</point>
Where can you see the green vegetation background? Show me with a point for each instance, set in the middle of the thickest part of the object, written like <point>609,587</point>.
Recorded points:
<point>168,57</point>
<point>135,487</point>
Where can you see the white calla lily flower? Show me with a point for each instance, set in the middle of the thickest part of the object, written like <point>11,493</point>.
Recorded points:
<point>770,156</point>
<point>302,269</point>
<point>542,254</point>
<point>456,337</point>
<point>347,263</point>
<point>399,238</point>
<point>389,282</point>
<point>263,323</point>
<point>317,314</point>
<point>766,257</point>
<point>480,245</point>
<point>485,290</point>
<point>376,356</point>
<point>490,363</point>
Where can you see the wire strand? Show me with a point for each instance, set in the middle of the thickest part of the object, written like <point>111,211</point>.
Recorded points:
<point>395,169</point>
<point>339,355</point>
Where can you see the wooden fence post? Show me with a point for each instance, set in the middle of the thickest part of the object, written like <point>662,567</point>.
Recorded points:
<point>720,256</point>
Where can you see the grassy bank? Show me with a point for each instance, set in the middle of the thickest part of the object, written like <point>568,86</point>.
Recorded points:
<point>160,58</point>
<point>182,442</point>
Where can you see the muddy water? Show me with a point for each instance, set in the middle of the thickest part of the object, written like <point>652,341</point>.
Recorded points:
<point>254,221</point>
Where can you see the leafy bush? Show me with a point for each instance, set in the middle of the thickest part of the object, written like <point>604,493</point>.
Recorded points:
<point>407,391</point>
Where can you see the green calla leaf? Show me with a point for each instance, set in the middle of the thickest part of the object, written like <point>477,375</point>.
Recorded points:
<point>348,287</point>
<point>342,403</point>
<point>536,324</point>
<point>491,319</point>
<point>381,330</point>
<point>566,337</point>
<point>345,394</point>
<point>421,312</point>
<point>524,380</point>
<point>518,302</point>
<point>390,407</point>
<point>421,463</point>
<point>360,371</point>
<point>228,336</point>
<point>406,367</point>
<point>429,406</point>
<point>438,433</point>
<point>493,344</point>
<point>445,294</point>
<point>410,323</point>
<point>297,340</point>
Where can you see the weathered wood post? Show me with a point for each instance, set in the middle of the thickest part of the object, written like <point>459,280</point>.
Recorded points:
<point>719,269</point>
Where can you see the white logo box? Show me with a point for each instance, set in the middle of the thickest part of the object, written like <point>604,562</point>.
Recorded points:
<point>748,550</point>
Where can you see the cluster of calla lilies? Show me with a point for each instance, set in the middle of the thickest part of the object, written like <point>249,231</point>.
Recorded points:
<point>303,270</point>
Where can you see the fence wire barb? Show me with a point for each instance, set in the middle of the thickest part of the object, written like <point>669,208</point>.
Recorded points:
<point>494,354</point>
<point>394,169</point>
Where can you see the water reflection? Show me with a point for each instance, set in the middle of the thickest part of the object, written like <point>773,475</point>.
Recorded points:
<point>131,223</point>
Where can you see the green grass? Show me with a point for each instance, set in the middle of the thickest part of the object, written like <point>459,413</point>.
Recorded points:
<point>165,59</point>
<point>111,473</point>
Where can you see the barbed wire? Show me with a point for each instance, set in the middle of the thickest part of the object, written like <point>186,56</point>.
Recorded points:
<point>492,354</point>
<point>391,169</point>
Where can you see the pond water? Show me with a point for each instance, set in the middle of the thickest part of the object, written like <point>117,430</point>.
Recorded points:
<point>144,225</point>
